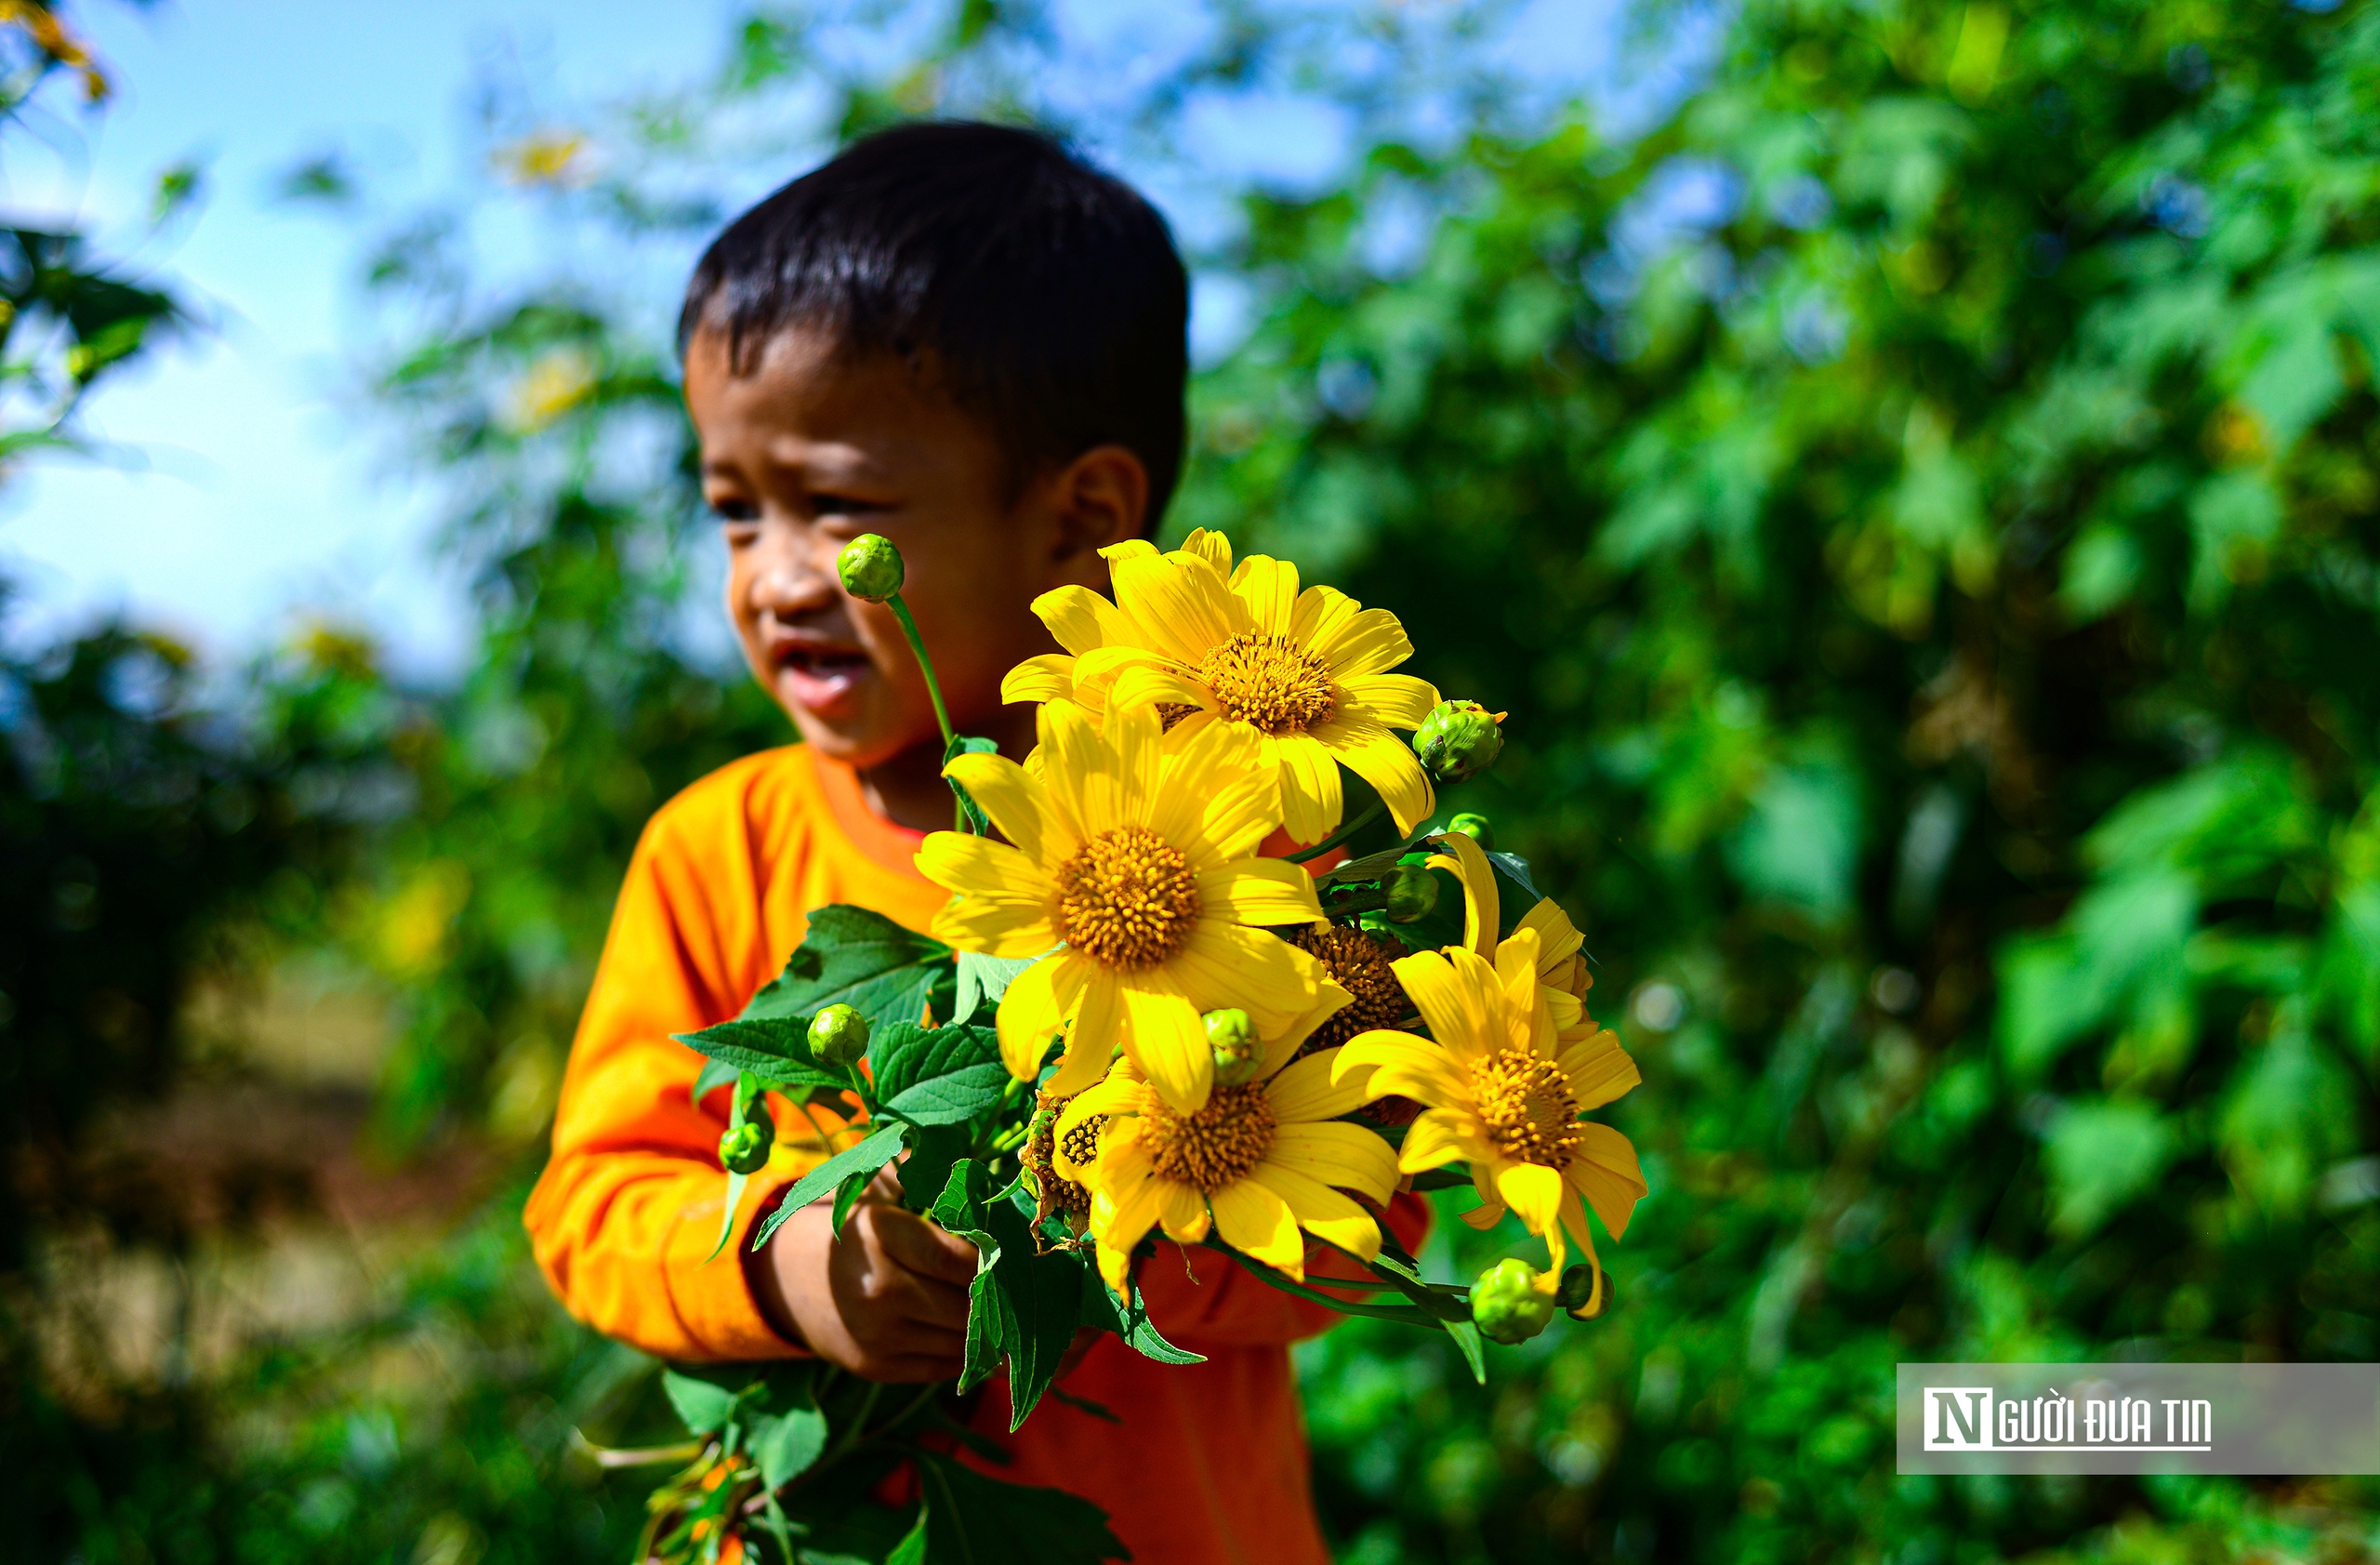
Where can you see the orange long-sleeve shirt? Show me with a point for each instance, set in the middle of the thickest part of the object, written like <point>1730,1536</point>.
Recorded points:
<point>1209,1463</point>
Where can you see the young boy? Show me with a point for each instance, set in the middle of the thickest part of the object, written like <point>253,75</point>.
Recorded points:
<point>960,338</point>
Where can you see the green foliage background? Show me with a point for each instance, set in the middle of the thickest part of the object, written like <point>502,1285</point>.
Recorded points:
<point>1920,502</point>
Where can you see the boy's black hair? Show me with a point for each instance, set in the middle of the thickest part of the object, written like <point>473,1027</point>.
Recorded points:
<point>1048,296</point>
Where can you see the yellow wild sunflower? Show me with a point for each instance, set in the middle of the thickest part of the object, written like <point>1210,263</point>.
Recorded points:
<point>1207,642</point>
<point>1503,1092</point>
<point>1134,859</point>
<point>1262,1164</point>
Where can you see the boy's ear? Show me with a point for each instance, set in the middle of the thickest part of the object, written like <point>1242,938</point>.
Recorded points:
<point>1099,498</point>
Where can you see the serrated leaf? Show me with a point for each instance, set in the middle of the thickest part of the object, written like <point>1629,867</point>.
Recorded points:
<point>903,1057</point>
<point>868,1156</point>
<point>1022,1306</point>
<point>972,1519</point>
<point>776,1048</point>
<point>704,1395</point>
<point>785,1444</point>
<point>983,979</point>
<point>856,958</point>
<point>934,1150</point>
<point>1129,1320</point>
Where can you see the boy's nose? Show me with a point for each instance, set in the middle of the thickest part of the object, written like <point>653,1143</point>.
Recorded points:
<point>788,582</point>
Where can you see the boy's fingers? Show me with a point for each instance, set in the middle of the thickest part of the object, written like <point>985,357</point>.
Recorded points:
<point>923,1246</point>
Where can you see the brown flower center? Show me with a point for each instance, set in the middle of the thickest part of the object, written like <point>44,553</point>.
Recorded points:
<point>1214,1148</point>
<point>1128,898</point>
<point>1528,1108</point>
<point>1268,682</point>
<point>1060,1196</point>
<point>1360,965</point>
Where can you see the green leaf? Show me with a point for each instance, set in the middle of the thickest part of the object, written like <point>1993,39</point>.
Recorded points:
<point>936,1076</point>
<point>775,1048</point>
<point>934,1150</point>
<point>983,979</point>
<point>704,1395</point>
<point>863,960</point>
<point>847,1196</point>
<point>785,1444</point>
<point>1022,1306</point>
<point>1129,1320</point>
<point>965,744</point>
<point>1466,1341</point>
<point>972,1519</point>
<point>736,1183</point>
<point>715,1073</point>
<point>2101,1155</point>
<point>866,1156</point>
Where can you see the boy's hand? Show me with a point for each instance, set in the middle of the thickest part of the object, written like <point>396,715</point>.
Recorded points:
<point>888,1301</point>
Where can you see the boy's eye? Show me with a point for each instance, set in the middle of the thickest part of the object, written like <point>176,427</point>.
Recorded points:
<point>735,510</point>
<point>843,505</point>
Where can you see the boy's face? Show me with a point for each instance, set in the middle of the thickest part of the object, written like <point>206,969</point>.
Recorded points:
<point>806,450</point>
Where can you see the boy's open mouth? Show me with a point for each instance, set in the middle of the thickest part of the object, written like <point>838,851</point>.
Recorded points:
<point>822,677</point>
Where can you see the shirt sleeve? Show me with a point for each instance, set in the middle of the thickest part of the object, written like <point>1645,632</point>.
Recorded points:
<point>1200,1298</point>
<point>625,1218</point>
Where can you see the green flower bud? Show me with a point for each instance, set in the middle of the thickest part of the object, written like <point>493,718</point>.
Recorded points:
<point>1412,893</point>
<point>1459,740</point>
<point>1577,1287</point>
<point>1230,1038</point>
<point>1473,827</point>
<point>870,567</point>
<point>1506,1304</point>
<point>838,1037</point>
<point>745,1149</point>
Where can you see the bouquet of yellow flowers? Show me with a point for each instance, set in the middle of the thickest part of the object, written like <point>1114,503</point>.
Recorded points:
<point>1146,1028</point>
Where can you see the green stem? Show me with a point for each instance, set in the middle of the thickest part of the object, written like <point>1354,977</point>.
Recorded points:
<point>925,664</point>
<point>1405,1313</point>
<point>1341,835</point>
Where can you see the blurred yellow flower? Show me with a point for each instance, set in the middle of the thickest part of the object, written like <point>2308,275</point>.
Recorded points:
<point>556,158</point>
<point>1206,642</point>
<point>556,382</point>
<point>1262,1164</point>
<point>1136,860</point>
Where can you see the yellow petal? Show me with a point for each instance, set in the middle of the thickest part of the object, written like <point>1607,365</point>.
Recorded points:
<point>1113,1096</point>
<point>1224,965</point>
<point>1557,938</point>
<point>1001,926</point>
<point>1483,909</point>
<point>1322,614</point>
<point>1049,677</point>
<point>1344,1155</point>
<point>1269,588</point>
<point>1182,1212</point>
<point>1304,1092</point>
<point>1311,803</point>
<point>1081,619</point>
<point>1257,1223</point>
<point>1146,684</point>
<point>1076,770</point>
<point>1440,1137</point>
<point>1364,745</point>
<point>1078,1070</point>
<point>1211,547</point>
<point>1135,738</point>
<point>1574,1222</point>
<point>1166,1038</point>
<point>1018,806</point>
<point>1119,1220</point>
<point>1386,1062</point>
<point>1216,790</point>
<point>1485,1217</point>
<point>1271,892</point>
<point>1398,700</point>
<point>1035,1007</point>
<point>1281,1047</point>
<point>1607,1173</point>
<point>1451,989</point>
<point>979,867</point>
<point>1178,604</point>
<point>1533,1191</point>
<point>1367,642</point>
<point>1599,1069</point>
<point>1131,548</point>
<point>1321,1211</point>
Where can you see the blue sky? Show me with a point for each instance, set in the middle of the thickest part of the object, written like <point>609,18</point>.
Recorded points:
<point>249,497</point>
